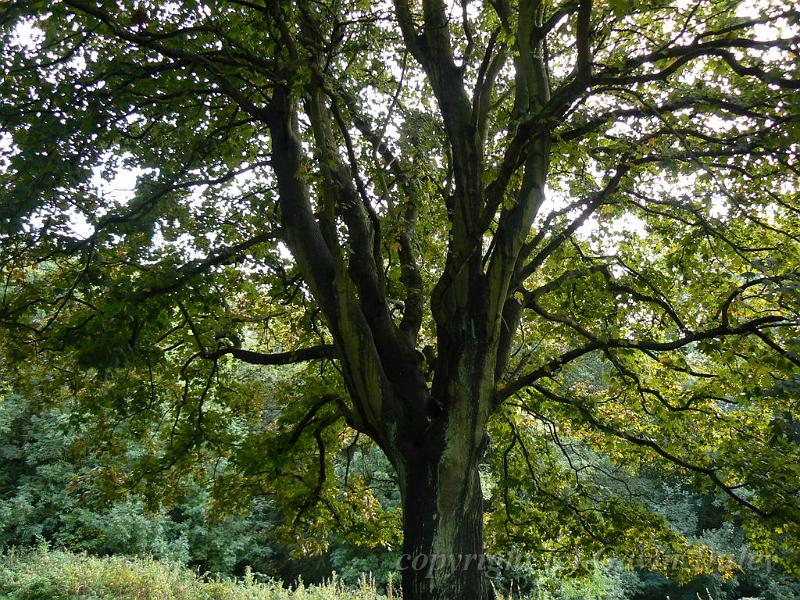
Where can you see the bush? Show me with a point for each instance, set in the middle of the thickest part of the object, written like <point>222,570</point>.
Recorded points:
<point>39,465</point>
<point>58,575</point>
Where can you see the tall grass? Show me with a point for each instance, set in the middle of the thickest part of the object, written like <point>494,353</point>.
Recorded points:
<point>57,575</point>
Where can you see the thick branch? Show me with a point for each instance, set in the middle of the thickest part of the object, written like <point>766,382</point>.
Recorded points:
<point>321,352</point>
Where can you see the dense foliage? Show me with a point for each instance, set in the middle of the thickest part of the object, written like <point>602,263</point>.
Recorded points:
<point>46,501</point>
<point>64,576</point>
<point>527,249</point>
<point>46,496</point>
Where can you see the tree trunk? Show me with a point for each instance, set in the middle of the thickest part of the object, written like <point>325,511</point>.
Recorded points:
<point>443,556</point>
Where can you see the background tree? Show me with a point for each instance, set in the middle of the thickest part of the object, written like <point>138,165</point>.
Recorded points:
<point>455,206</point>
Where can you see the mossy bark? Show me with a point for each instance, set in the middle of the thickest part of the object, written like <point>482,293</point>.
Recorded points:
<point>443,555</point>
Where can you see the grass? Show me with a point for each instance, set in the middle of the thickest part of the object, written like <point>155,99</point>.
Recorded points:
<point>57,575</point>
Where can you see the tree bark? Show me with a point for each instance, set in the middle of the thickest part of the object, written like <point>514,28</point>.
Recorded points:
<point>443,555</point>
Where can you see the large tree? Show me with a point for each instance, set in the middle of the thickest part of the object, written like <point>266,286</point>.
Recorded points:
<point>460,206</point>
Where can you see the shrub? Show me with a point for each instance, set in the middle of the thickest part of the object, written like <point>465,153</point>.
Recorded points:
<point>59,575</point>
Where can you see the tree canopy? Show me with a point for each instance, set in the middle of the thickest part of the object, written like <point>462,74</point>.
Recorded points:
<point>482,231</point>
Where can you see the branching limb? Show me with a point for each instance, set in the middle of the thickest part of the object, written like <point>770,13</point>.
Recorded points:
<point>598,343</point>
<point>220,257</point>
<point>709,472</point>
<point>593,203</point>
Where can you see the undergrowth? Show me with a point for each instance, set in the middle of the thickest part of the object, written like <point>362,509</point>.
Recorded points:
<point>57,575</point>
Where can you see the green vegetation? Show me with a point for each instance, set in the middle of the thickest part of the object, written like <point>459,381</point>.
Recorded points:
<point>46,500</point>
<point>44,574</point>
<point>407,279</point>
<point>54,575</point>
